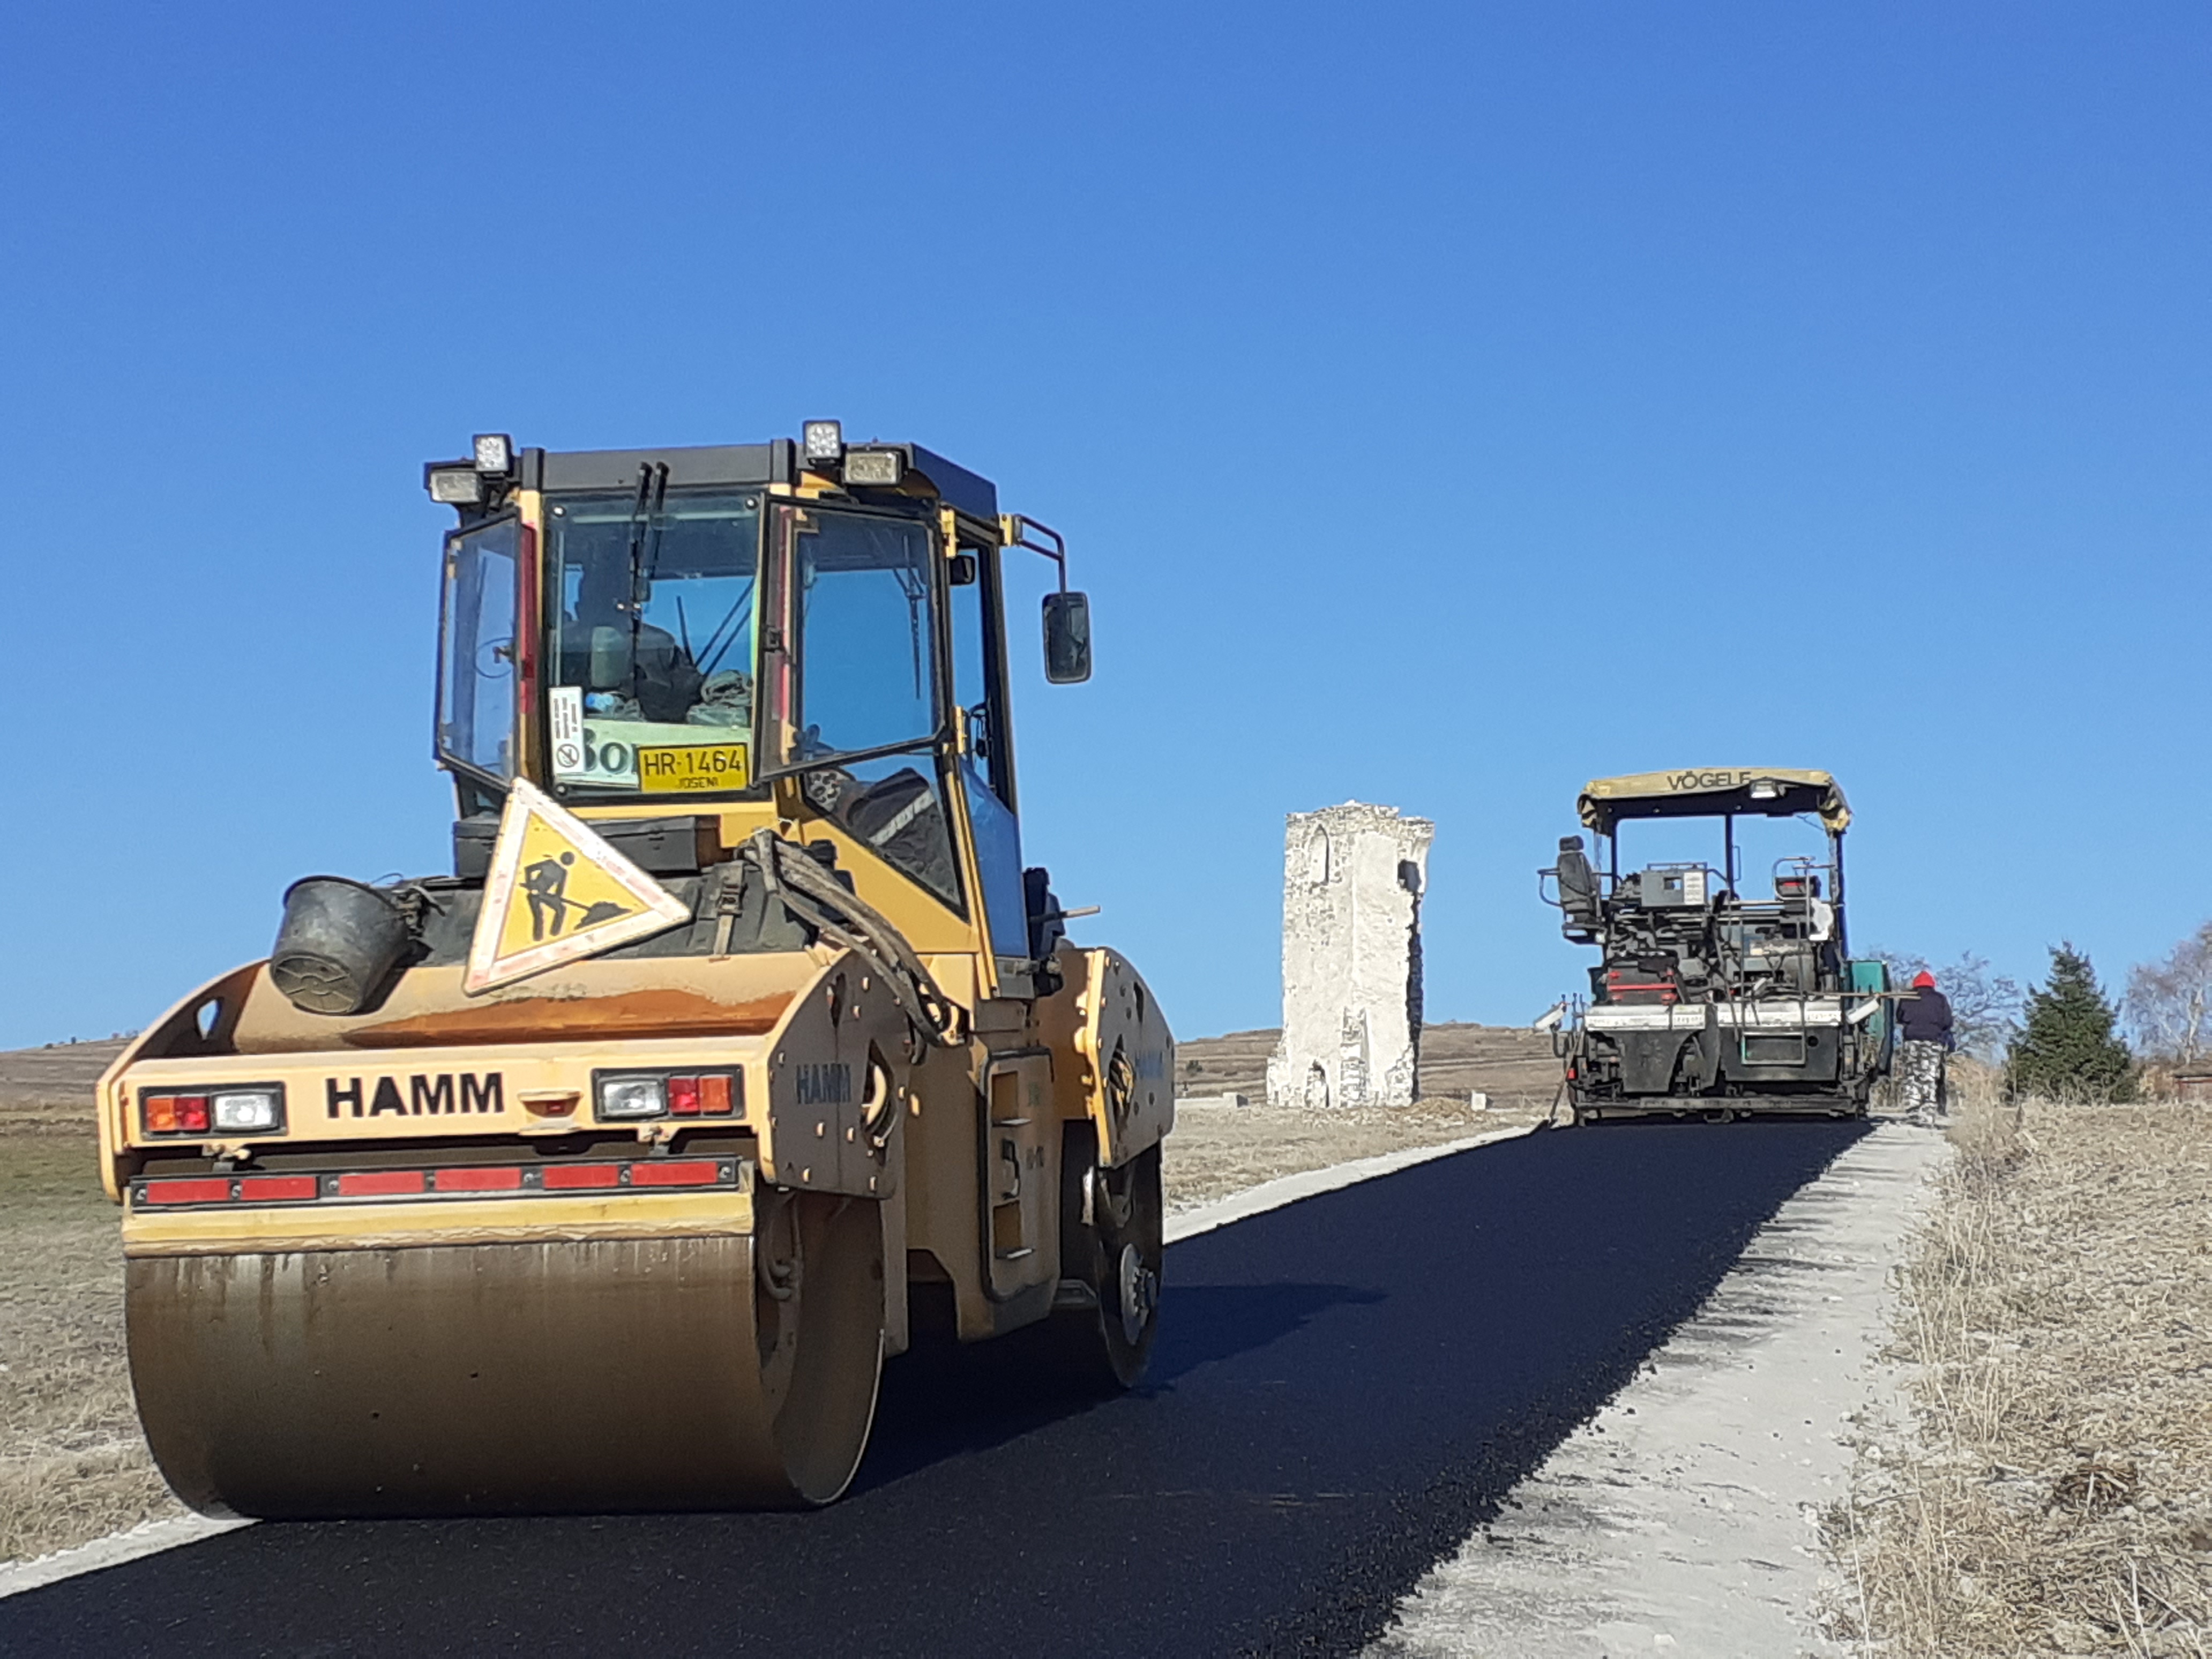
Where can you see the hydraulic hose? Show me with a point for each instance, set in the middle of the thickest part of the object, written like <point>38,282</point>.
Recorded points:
<point>817,898</point>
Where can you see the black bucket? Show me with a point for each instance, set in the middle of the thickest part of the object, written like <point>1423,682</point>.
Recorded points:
<point>338,944</point>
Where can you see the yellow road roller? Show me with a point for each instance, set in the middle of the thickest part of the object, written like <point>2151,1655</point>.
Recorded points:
<point>739,1047</point>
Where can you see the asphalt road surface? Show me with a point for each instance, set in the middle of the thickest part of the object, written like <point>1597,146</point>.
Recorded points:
<point>1344,1389</point>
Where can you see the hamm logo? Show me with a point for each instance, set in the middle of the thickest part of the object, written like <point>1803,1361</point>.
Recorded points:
<point>432,1095</point>
<point>825,1085</point>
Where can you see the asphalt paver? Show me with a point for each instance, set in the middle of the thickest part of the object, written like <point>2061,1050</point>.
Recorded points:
<point>1344,1389</point>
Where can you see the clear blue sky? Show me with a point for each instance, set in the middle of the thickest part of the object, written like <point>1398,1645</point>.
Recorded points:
<point>1445,404</point>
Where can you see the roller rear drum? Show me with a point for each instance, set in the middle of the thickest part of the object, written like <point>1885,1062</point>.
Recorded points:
<point>712,1372</point>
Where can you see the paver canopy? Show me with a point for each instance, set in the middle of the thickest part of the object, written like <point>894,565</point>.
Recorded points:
<point>1709,791</point>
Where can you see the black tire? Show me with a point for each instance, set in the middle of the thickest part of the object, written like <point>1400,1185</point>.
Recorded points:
<point>1112,1246</point>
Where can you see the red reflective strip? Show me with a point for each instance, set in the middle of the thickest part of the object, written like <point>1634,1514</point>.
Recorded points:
<point>380,1184</point>
<point>269,1188</point>
<point>698,1172</point>
<point>213,1190</point>
<point>479,1181</point>
<point>566,1178</point>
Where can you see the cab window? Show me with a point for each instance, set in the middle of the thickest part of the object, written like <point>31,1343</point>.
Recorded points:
<point>477,655</point>
<point>651,669</point>
<point>867,668</point>
<point>862,607</point>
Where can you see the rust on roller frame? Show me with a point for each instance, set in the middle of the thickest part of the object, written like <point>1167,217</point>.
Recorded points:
<point>660,1012</point>
<point>427,1007</point>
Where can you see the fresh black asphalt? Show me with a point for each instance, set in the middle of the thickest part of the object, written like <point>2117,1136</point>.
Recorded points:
<point>1344,1389</point>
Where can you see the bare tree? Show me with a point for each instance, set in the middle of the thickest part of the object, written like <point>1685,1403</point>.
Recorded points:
<point>1986,1007</point>
<point>2168,1004</point>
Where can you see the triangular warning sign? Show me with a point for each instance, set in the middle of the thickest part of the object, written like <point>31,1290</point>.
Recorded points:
<point>556,891</point>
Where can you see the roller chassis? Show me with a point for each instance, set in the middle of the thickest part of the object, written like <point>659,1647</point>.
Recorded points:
<point>450,1277</point>
<point>627,1345</point>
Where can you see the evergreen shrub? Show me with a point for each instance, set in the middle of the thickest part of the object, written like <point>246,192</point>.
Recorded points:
<point>2068,1046</point>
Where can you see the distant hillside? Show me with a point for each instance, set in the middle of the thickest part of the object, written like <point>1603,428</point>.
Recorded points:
<point>1506,1062</point>
<point>50,1089</point>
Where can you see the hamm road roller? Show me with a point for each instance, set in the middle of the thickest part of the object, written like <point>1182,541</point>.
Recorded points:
<point>738,1045</point>
<point>1711,997</point>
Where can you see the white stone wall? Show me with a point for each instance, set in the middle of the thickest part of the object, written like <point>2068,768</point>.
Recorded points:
<point>1353,880</point>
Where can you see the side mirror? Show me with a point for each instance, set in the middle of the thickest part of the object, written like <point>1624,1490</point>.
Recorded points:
<point>1067,638</point>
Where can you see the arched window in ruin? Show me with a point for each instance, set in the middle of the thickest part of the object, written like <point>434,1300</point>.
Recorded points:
<point>1316,1088</point>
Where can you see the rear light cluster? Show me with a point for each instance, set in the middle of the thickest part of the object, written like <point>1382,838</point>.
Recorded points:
<point>469,1181</point>
<point>257,1110</point>
<point>629,1095</point>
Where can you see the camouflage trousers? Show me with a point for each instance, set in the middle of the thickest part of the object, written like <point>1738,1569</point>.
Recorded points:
<point>1920,1085</point>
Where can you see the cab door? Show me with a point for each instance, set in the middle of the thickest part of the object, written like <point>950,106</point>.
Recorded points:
<point>985,763</point>
<point>1021,1129</point>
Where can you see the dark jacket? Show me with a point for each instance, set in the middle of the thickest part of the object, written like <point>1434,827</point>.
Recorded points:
<point>1925,1016</point>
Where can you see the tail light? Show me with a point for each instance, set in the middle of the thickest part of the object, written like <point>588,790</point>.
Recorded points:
<point>255,1109</point>
<point>628,1096</point>
<point>175,1115</point>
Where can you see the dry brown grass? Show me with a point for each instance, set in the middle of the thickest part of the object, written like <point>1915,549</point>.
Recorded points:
<point>73,1465</point>
<point>1216,1151</point>
<point>1219,1150</point>
<point>2053,1491</point>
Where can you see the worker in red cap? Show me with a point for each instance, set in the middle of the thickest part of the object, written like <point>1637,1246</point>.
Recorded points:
<point>1923,1024</point>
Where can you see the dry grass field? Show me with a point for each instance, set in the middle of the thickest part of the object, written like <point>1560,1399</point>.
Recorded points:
<point>72,1464</point>
<point>2052,1493</point>
<point>1513,1065</point>
<point>1219,1150</point>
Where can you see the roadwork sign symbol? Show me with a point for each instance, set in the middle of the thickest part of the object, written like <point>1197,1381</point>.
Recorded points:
<point>556,892</point>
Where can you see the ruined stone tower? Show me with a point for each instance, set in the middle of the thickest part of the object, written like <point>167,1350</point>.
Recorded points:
<point>1352,879</point>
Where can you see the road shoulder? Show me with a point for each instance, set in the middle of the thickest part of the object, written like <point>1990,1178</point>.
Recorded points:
<point>1685,1515</point>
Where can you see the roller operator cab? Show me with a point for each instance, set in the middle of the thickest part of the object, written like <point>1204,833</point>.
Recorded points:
<point>739,1047</point>
<point>1715,994</point>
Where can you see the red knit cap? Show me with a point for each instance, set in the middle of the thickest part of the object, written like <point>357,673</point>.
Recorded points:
<point>1923,981</point>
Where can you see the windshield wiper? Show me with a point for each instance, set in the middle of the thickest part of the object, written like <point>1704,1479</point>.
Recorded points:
<point>644,521</point>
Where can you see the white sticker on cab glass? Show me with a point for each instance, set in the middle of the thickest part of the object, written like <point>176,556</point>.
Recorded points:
<point>565,706</point>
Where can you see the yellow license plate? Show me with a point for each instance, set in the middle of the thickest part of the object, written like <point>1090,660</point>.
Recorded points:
<point>694,766</point>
